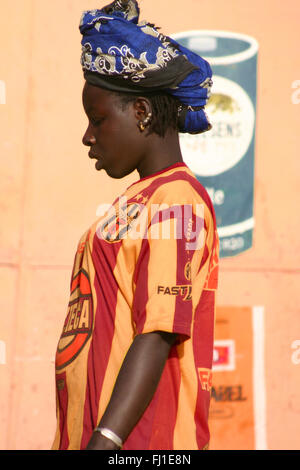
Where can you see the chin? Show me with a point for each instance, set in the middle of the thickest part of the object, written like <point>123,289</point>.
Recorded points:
<point>113,174</point>
<point>118,173</point>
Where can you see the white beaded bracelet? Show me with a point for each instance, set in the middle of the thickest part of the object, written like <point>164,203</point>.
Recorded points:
<point>110,435</point>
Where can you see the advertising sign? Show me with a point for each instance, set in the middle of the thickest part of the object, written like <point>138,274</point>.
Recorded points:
<point>237,411</point>
<point>223,158</point>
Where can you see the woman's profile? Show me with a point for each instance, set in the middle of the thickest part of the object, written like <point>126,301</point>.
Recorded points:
<point>134,360</point>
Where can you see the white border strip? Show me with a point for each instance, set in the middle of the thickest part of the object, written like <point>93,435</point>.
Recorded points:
<point>259,388</point>
<point>234,229</point>
<point>225,60</point>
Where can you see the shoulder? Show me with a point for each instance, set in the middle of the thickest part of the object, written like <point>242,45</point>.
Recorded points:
<point>180,188</point>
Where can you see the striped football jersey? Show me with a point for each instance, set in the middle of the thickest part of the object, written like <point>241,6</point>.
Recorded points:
<point>150,263</point>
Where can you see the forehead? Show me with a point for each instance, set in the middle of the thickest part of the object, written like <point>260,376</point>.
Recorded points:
<point>95,98</point>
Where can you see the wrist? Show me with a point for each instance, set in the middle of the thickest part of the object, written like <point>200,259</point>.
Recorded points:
<point>106,444</point>
<point>100,442</point>
<point>110,436</point>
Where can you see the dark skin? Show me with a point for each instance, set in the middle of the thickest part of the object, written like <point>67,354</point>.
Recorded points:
<point>135,386</point>
<point>119,147</point>
<point>116,141</point>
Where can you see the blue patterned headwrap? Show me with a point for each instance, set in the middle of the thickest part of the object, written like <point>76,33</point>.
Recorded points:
<point>121,54</point>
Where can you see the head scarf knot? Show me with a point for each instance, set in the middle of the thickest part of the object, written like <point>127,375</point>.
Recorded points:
<point>122,54</point>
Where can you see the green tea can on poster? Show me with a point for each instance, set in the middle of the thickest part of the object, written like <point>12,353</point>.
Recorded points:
<point>222,159</point>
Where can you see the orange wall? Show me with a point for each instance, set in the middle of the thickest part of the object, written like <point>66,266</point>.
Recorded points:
<point>50,193</point>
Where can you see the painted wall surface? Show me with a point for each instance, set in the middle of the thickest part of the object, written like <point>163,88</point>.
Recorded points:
<point>50,192</point>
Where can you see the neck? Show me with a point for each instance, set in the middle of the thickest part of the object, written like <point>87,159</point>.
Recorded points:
<point>160,153</point>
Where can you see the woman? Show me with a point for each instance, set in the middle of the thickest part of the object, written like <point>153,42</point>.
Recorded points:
<point>133,364</point>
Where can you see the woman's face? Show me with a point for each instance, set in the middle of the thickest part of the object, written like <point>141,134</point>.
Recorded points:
<point>112,134</point>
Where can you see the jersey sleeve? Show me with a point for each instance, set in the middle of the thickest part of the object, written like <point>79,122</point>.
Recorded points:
<point>170,258</point>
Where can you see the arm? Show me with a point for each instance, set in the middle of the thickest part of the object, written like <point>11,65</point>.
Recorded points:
<point>135,386</point>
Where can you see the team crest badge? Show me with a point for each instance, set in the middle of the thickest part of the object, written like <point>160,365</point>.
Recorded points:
<point>118,222</point>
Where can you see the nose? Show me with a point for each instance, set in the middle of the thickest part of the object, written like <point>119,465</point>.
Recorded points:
<point>88,139</point>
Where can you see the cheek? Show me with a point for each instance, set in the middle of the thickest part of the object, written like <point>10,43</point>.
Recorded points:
<point>119,142</point>
<point>124,129</point>
<point>125,140</point>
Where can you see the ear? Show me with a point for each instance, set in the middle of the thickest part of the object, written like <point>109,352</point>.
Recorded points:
<point>142,107</point>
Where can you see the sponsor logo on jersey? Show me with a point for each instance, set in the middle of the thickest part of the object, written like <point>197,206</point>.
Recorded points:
<point>118,222</point>
<point>187,271</point>
<point>184,291</point>
<point>205,377</point>
<point>78,325</point>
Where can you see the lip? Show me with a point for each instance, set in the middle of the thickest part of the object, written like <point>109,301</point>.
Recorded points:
<point>99,162</point>
<point>93,155</point>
